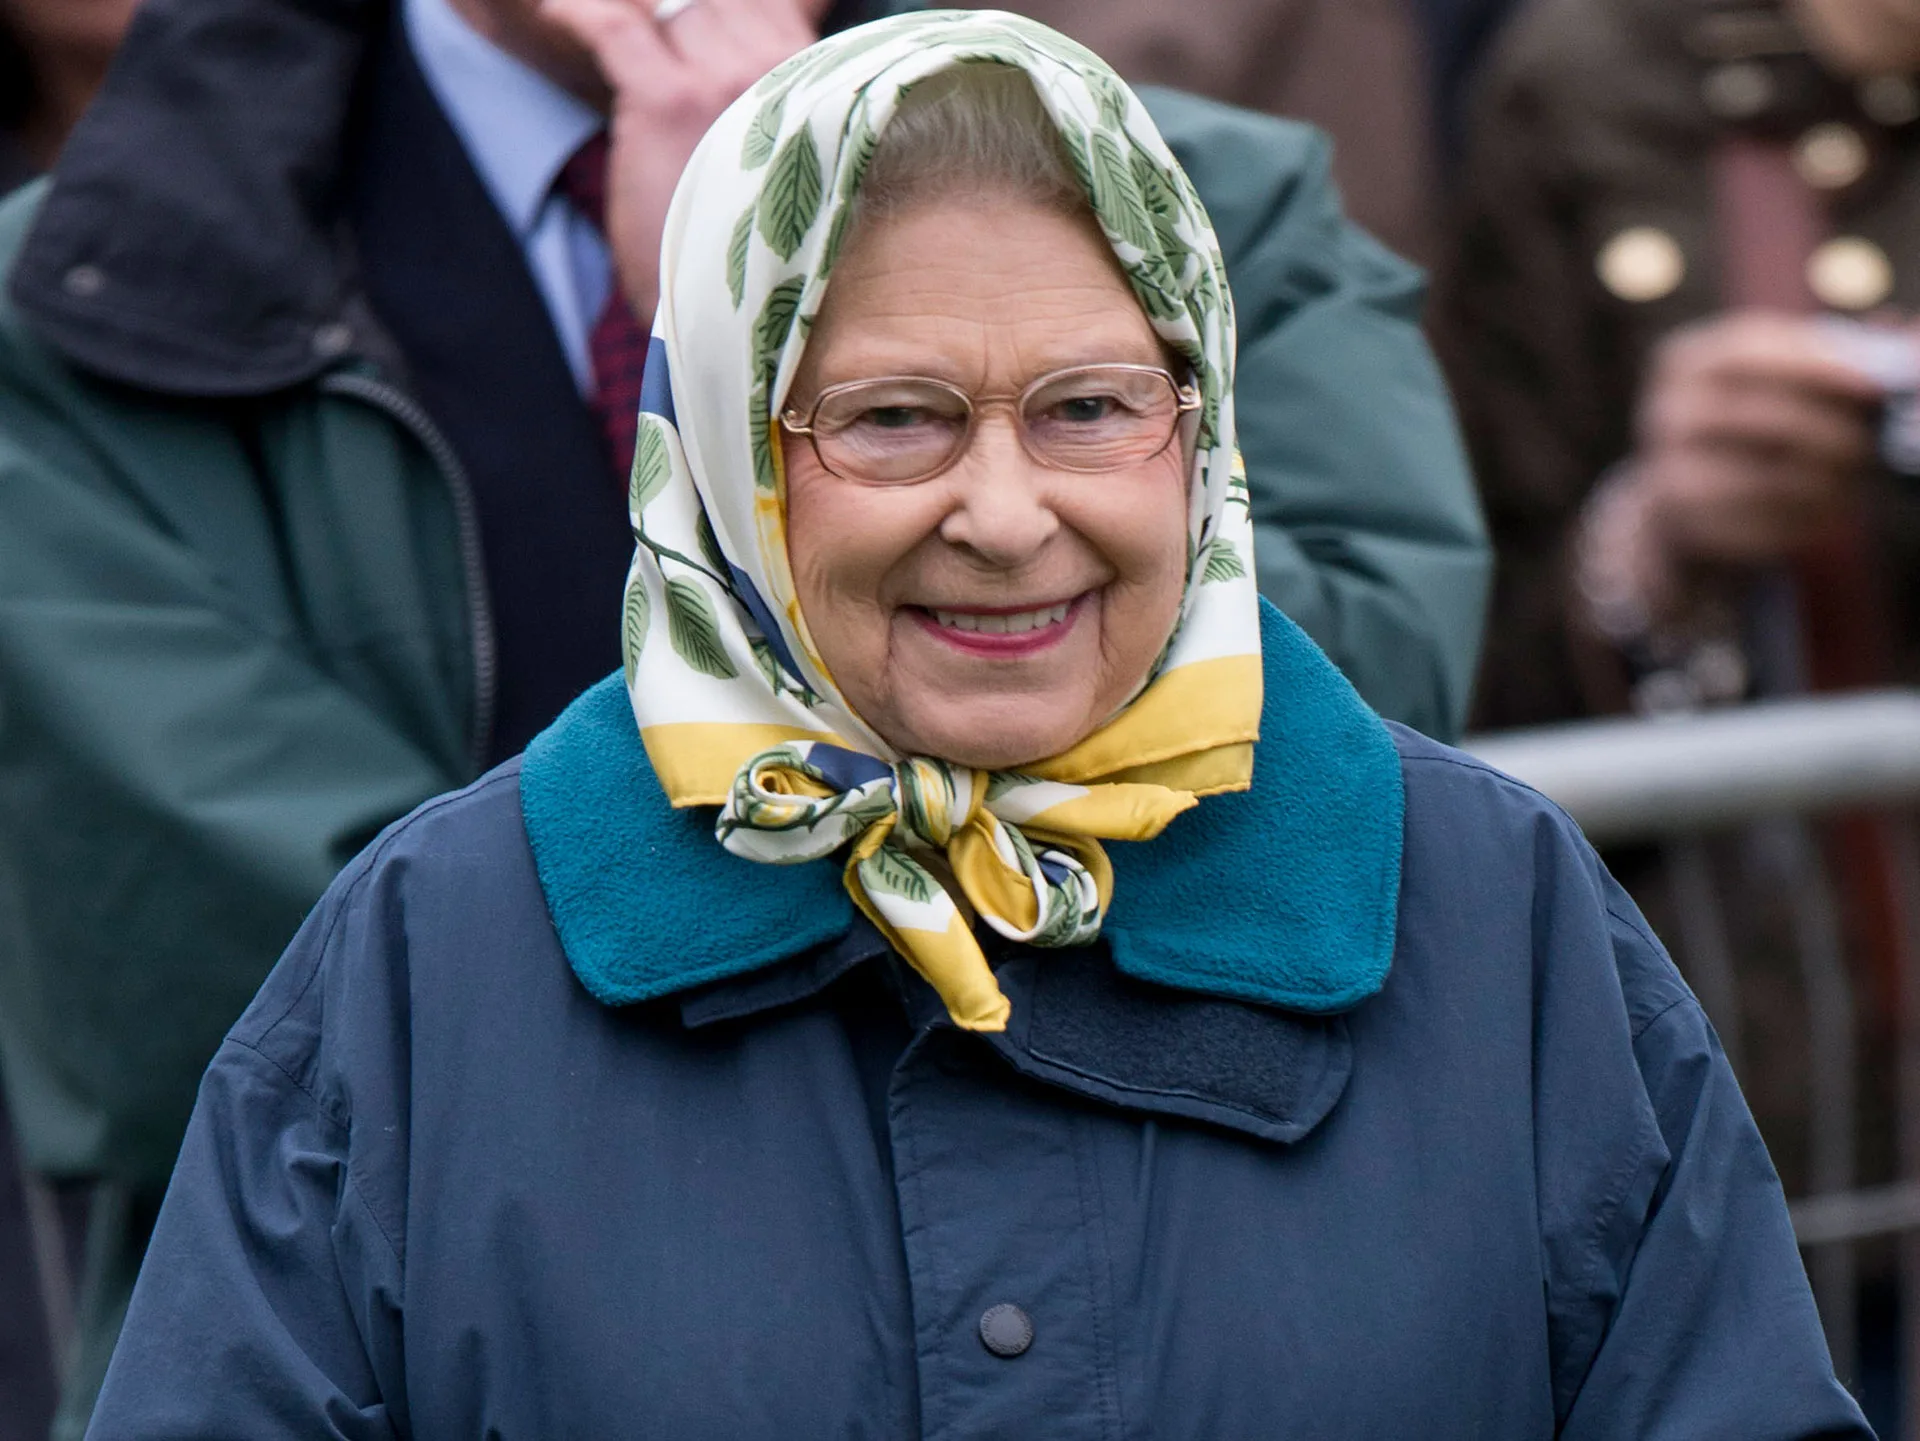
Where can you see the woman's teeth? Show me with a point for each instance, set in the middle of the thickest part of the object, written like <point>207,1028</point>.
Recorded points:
<point>1019,623</point>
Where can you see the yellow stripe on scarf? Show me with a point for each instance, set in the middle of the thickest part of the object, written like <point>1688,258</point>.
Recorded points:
<point>696,761</point>
<point>1202,707</point>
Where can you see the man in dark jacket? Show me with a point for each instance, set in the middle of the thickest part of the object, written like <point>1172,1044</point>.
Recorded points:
<point>310,406</point>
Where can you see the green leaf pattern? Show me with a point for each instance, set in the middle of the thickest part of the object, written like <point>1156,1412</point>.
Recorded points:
<point>891,871</point>
<point>709,545</point>
<point>1116,197</point>
<point>776,321</point>
<point>790,201</point>
<point>637,615</point>
<point>693,628</point>
<point>737,249</point>
<point>760,441</point>
<point>1161,202</point>
<point>652,465</point>
<point>757,149</point>
<point>1223,563</point>
<point>768,664</point>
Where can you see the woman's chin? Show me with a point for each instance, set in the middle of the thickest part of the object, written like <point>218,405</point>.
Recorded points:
<point>993,734</point>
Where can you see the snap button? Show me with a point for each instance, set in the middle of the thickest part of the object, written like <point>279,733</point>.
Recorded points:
<point>1006,1330</point>
<point>332,339</point>
<point>84,281</point>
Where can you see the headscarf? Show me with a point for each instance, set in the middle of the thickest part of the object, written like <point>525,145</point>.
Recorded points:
<point>734,705</point>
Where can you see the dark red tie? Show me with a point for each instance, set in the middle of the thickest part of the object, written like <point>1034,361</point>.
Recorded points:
<point>616,346</point>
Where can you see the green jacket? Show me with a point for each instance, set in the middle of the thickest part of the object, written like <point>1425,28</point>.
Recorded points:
<point>240,632</point>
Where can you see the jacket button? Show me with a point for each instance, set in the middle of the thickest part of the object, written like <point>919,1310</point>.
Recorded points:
<point>1006,1330</point>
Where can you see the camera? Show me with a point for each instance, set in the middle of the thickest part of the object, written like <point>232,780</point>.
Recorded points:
<point>1891,358</point>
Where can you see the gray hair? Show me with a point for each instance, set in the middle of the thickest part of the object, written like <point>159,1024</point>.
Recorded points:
<point>975,129</point>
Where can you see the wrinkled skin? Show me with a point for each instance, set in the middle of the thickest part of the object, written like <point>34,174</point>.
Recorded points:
<point>988,293</point>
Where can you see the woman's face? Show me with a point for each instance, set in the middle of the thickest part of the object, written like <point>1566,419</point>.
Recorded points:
<point>936,605</point>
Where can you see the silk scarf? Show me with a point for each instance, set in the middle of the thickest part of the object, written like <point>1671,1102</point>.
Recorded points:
<point>735,708</point>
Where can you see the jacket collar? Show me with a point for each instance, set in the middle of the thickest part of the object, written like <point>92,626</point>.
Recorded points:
<point>218,271</point>
<point>1286,895</point>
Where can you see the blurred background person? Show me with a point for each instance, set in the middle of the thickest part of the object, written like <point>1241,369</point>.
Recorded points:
<point>1382,77</point>
<point>1678,319</point>
<point>1355,68</point>
<point>1665,207</point>
<point>53,56</point>
<point>1457,35</point>
<point>317,395</point>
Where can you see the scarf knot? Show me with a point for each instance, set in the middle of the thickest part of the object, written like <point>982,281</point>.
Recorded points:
<point>934,800</point>
<point>803,800</point>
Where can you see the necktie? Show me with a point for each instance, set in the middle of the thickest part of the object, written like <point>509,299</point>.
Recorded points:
<point>616,346</point>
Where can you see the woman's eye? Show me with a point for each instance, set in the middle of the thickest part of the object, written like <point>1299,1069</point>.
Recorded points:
<point>893,417</point>
<point>1082,409</point>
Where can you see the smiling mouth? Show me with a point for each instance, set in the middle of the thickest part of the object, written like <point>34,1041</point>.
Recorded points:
<point>1001,622</point>
<point>1001,632</point>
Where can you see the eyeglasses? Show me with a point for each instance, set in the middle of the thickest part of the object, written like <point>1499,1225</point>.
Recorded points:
<point>900,429</point>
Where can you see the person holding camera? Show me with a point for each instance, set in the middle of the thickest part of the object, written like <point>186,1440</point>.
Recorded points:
<point>1678,317</point>
<point>1675,317</point>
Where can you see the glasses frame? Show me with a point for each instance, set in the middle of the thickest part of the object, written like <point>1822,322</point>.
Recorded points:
<point>1186,403</point>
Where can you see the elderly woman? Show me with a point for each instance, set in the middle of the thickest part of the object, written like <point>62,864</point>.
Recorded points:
<point>978,972</point>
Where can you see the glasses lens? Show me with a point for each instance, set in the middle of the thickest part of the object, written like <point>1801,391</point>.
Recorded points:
<point>1102,418</point>
<point>889,431</point>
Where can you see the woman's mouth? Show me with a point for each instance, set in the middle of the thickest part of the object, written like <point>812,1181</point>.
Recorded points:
<point>1001,630</point>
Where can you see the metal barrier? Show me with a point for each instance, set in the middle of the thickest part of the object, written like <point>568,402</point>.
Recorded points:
<point>1641,780</point>
<point>1768,771</point>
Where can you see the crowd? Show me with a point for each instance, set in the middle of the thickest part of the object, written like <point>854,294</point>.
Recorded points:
<point>324,335</point>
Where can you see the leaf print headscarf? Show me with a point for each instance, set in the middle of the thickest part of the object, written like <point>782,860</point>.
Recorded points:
<point>734,705</point>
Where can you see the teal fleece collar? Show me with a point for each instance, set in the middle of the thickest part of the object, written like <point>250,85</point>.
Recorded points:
<point>1286,894</point>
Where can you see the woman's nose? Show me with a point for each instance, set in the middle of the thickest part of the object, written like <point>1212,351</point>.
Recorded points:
<point>1002,502</point>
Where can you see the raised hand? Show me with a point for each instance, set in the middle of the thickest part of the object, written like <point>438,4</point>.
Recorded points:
<point>671,68</point>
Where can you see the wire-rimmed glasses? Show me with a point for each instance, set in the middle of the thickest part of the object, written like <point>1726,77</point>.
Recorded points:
<point>900,429</point>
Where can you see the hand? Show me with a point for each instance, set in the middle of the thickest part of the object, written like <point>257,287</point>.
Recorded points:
<point>670,80</point>
<point>1751,438</point>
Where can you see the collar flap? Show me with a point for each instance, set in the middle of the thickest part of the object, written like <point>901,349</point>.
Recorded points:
<point>1079,1024</point>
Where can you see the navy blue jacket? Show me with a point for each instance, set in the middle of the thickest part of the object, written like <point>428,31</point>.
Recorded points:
<point>1244,1180</point>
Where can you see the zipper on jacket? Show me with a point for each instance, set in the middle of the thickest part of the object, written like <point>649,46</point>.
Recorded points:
<point>409,413</point>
